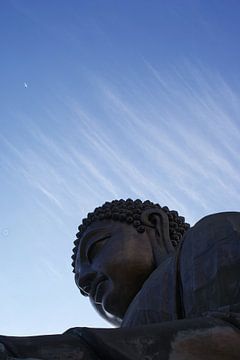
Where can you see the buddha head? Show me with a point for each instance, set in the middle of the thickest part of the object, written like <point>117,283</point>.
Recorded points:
<point>117,248</point>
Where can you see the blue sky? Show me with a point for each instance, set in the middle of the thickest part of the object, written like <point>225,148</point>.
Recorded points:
<point>103,100</point>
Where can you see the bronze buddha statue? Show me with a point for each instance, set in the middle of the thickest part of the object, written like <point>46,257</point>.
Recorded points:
<point>173,291</point>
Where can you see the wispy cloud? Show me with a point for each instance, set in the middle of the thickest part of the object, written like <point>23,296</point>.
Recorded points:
<point>177,144</point>
<point>47,267</point>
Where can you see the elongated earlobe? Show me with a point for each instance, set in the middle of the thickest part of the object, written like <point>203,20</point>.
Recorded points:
<point>158,219</point>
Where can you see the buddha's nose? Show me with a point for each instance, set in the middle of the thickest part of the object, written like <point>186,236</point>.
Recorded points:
<point>84,282</point>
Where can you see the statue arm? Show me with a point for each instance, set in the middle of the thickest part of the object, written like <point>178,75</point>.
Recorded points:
<point>180,339</point>
<point>49,347</point>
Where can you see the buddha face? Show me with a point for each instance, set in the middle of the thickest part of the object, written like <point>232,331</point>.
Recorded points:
<point>112,264</point>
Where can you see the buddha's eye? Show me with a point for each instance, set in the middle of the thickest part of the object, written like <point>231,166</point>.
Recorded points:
<point>94,248</point>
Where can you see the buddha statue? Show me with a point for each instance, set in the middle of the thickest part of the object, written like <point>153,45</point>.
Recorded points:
<point>118,247</point>
<point>172,291</point>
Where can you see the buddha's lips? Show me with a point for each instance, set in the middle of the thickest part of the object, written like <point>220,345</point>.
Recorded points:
<point>95,289</point>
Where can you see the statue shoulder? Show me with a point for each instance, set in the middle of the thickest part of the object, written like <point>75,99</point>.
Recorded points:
<point>209,264</point>
<point>213,228</point>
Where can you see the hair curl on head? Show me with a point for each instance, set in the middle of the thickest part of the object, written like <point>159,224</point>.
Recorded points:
<point>129,211</point>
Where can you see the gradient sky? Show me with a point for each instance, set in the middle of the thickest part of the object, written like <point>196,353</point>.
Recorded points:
<point>103,100</point>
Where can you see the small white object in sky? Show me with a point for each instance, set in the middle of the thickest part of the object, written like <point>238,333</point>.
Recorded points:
<point>25,85</point>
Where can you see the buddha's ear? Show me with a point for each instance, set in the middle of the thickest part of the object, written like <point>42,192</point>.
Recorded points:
<point>158,219</point>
